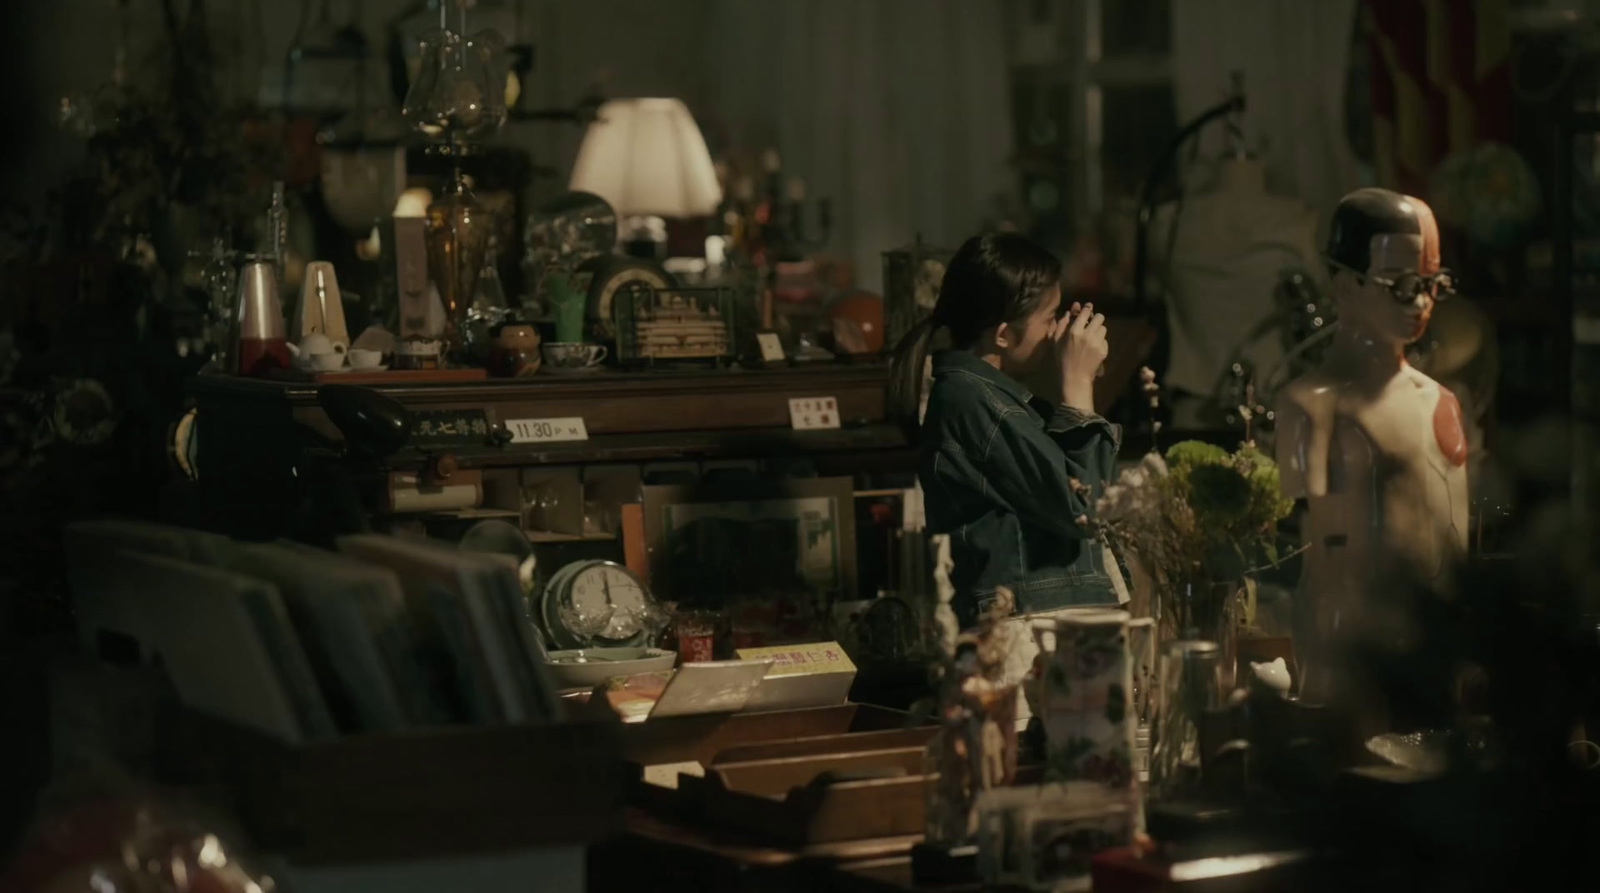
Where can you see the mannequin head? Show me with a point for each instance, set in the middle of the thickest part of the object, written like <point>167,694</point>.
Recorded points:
<point>1383,251</point>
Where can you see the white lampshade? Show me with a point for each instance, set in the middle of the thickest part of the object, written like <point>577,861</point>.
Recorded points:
<point>647,158</point>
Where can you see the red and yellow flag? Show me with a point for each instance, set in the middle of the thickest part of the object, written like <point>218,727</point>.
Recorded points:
<point>1440,82</point>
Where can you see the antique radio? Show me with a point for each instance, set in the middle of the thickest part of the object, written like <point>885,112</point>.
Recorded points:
<point>655,325</point>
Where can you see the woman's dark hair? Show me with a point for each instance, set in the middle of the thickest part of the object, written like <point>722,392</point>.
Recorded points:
<point>993,278</point>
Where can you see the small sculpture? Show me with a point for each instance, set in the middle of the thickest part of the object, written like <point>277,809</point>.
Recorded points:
<point>1375,447</point>
<point>944,616</point>
<point>976,749</point>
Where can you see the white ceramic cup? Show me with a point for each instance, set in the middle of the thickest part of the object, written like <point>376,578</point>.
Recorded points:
<point>326,362</point>
<point>361,358</point>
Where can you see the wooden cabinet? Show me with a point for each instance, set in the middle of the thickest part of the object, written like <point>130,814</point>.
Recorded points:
<point>256,439</point>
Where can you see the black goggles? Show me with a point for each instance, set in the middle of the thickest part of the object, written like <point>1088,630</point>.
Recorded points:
<point>1407,287</point>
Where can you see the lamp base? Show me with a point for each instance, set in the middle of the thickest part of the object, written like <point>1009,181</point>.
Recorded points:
<point>644,237</point>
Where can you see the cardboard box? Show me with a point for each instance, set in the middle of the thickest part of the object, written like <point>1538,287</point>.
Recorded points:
<point>817,674</point>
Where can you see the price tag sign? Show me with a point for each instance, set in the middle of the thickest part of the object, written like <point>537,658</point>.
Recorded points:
<point>794,660</point>
<point>546,430</point>
<point>771,347</point>
<point>443,428</point>
<point>813,413</point>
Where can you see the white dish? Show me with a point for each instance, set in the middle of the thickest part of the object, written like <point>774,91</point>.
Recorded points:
<point>325,362</point>
<point>600,664</point>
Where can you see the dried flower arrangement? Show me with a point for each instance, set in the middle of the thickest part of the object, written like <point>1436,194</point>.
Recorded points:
<point>1199,521</point>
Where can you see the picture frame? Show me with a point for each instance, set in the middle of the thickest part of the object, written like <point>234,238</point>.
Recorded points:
<point>733,536</point>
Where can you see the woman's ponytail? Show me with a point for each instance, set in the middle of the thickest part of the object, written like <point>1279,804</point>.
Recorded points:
<point>992,278</point>
<point>906,370</point>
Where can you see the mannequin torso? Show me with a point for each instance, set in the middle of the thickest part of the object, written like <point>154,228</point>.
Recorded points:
<point>1382,467</point>
<point>1377,449</point>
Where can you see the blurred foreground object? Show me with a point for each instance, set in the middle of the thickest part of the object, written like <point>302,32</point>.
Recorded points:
<point>1376,448</point>
<point>128,845</point>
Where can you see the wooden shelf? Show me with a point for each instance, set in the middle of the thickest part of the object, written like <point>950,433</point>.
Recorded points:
<point>610,403</point>
<point>255,436</point>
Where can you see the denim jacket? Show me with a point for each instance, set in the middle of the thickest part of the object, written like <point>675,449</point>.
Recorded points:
<point>996,475</point>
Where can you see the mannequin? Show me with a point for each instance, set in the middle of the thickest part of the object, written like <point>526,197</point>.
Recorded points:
<point>1233,241</point>
<point>1376,448</point>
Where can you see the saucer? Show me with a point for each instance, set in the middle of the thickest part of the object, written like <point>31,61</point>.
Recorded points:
<point>571,370</point>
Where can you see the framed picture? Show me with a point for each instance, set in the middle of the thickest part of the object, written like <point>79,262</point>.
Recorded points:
<point>712,540</point>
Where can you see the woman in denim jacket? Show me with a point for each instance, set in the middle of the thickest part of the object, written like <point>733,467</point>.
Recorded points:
<point>1005,471</point>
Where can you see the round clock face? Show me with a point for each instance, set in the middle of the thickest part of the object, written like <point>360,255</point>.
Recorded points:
<point>610,281</point>
<point>605,590</point>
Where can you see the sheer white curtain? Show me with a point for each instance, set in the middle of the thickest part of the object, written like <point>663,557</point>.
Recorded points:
<point>1295,58</point>
<point>894,110</point>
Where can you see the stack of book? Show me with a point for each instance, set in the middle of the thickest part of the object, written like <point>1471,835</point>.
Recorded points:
<point>305,644</point>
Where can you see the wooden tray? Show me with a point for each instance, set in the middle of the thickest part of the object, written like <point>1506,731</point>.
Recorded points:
<point>700,739</point>
<point>827,744</point>
<point>786,801</point>
<point>418,794</point>
<point>382,376</point>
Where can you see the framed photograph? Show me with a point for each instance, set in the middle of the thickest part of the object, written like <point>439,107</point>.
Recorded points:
<point>748,538</point>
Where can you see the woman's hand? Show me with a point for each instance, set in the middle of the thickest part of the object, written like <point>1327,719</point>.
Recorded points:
<point>1080,344</point>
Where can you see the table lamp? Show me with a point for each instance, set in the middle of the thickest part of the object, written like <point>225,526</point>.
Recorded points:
<point>648,159</point>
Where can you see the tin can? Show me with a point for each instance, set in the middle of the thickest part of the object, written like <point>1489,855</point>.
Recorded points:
<point>697,635</point>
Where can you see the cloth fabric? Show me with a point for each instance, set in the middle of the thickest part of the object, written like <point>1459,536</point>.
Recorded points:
<point>1295,59</point>
<point>1441,82</point>
<point>892,109</point>
<point>872,104</point>
<point>998,476</point>
<point>1226,255</point>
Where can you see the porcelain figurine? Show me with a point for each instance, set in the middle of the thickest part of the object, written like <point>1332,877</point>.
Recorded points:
<point>944,616</point>
<point>976,749</point>
<point>1376,448</point>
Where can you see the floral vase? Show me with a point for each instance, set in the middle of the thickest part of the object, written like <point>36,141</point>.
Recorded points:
<point>1086,698</point>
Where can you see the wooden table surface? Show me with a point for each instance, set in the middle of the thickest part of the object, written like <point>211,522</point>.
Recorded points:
<point>657,853</point>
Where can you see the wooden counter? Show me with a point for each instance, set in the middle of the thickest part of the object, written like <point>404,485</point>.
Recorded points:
<point>253,435</point>
<point>732,413</point>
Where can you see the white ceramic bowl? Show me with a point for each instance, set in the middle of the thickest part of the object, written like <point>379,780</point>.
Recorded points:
<point>361,358</point>
<point>600,664</point>
<point>326,362</point>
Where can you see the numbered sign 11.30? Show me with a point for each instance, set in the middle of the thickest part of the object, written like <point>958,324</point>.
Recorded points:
<point>546,430</point>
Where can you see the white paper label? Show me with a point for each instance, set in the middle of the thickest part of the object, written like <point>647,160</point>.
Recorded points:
<point>666,774</point>
<point>771,347</point>
<point>546,430</point>
<point>813,413</point>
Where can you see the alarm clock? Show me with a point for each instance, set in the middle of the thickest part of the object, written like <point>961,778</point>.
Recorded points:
<point>608,275</point>
<point>596,589</point>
